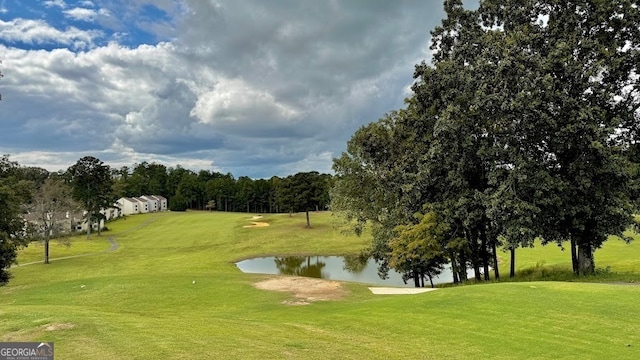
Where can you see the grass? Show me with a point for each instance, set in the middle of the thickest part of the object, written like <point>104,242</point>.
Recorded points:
<point>139,302</point>
<point>616,261</point>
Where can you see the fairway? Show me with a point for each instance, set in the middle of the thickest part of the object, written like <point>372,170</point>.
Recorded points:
<point>171,291</point>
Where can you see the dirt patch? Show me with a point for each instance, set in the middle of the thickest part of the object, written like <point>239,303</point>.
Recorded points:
<point>56,327</point>
<point>305,290</point>
<point>257,224</point>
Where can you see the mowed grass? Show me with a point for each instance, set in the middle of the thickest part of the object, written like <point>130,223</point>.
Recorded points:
<point>617,260</point>
<point>139,302</point>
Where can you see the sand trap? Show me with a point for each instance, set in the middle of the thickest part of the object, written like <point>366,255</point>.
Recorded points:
<point>257,224</point>
<point>398,291</point>
<point>305,290</point>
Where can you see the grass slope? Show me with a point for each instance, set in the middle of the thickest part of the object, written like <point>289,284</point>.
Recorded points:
<point>139,302</point>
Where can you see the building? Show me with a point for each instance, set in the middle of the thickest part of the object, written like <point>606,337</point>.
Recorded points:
<point>141,205</point>
<point>128,206</point>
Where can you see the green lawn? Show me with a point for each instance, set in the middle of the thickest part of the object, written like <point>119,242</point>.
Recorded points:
<point>139,302</point>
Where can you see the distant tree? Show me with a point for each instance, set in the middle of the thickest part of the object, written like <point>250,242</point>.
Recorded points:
<point>49,204</point>
<point>191,189</point>
<point>120,178</point>
<point>178,203</point>
<point>91,182</point>
<point>304,191</point>
<point>211,205</point>
<point>35,175</point>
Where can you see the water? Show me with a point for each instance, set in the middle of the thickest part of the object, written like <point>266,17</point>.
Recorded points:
<point>333,268</point>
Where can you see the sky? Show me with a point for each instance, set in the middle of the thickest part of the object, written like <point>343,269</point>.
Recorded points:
<point>256,87</point>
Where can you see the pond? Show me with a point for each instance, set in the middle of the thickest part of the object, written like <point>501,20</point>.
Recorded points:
<point>333,268</point>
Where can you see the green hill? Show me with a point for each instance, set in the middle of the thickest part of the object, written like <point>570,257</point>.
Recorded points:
<point>140,301</point>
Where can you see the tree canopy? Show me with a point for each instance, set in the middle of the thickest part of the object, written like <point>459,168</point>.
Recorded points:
<point>11,222</point>
<point>91,181</point>
<point>518,128</point>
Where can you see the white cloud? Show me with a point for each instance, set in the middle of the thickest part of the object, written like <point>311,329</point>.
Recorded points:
<point>235,100</point>
<point>82,14</point>
<point>39,32</point>
<point>58,3</point>
<point>254,88</point>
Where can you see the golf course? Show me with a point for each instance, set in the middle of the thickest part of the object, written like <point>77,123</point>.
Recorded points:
<point>164,286</point>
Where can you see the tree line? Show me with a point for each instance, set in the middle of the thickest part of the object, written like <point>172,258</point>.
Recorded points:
<point>524,126</point>
<point>210,190</point>
<point>90,186</point>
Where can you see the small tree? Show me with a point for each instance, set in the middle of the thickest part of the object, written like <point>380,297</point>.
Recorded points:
<point>416,251</point>
<point>211,205</point>
<point>49,202</point>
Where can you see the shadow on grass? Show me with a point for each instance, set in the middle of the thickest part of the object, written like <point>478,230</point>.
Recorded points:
<point>542,272</point>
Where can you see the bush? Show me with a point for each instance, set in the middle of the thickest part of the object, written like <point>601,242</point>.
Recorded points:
<point>178,203</point>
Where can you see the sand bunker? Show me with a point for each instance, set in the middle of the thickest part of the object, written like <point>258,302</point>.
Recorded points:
<point>305,290</point>
<point>256,223</point>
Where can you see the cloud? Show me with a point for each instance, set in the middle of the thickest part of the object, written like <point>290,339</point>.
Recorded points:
<point>30,31</point>
<point>254,88</point>
<point>81,14</point>
<point>55,3</point>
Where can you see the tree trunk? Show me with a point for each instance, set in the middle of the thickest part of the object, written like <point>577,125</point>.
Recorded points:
<point>89,225</point>
<point>308,222</point>
<point>462,271</point>
<point>496,271</point>
<point>454,268</point>
<point>512,270</point>
<point>574,257</point>
<point>473,244</point>
<point>586,265</point>
<point>484,251</point>
<point>416,279</point>
<point>46,249</point>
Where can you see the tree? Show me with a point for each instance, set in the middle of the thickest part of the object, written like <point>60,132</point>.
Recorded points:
<point>417,250</point>
<point>376,183</point>
<point>91,182</point>
<point>304,191</point>
<point>178,203</point>
<point>11,222</point>
<point>582,111</point>
<point>515,130</point>
<point>50,202</point>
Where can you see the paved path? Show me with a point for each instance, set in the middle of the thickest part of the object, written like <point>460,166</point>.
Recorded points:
<point>111,239</point>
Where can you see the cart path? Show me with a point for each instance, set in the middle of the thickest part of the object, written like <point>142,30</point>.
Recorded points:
<point>111,239</point>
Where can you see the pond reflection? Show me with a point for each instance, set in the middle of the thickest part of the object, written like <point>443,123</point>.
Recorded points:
<point>343,268</point>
